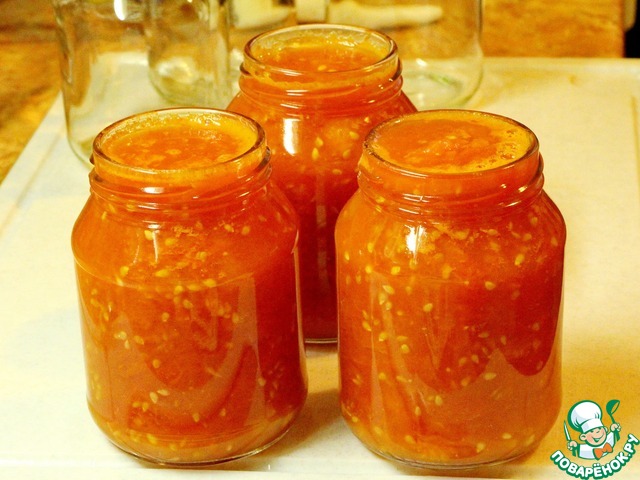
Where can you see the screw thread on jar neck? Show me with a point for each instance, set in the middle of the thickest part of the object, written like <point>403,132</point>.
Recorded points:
<point>175,156</point>
<point>450,162</point>
<point>302,66</point>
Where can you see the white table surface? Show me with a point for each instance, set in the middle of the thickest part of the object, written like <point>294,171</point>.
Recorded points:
<point>586,114</point>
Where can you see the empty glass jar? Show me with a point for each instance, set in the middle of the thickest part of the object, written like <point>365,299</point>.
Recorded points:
<point>438,40</point>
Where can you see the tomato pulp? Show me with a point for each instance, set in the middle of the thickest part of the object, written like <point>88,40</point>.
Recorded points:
<point>450,266</point>
<point>187,277</point>
<point>317,90</point>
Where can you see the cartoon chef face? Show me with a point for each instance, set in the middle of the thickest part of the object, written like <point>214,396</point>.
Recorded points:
<point>595,437</point>
<point>586,417</point>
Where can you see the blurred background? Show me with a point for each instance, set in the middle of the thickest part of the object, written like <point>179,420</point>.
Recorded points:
<point>30,77</point>
<point>632,36</point>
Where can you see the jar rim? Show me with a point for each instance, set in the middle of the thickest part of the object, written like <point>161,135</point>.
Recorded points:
<point>391,182</point>
<point>246,162</point>
<point>320,29</point>
<point>370,148</point>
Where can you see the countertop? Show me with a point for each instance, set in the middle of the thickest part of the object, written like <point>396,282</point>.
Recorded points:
<point>590,147</point>
<point>591,153</point>
<point>30,80</point>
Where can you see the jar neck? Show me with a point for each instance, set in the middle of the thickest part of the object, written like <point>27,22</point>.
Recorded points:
<point>179,199</point>
<point>145,163</point>
<point>416,189</point>
<point>321,66</point>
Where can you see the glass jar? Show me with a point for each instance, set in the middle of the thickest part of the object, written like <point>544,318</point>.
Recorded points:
<point>188,45</point>
<point>248,18</point>
<point>317,90</point>
<point>438,40</point>
<point>449,266</point>
<point>186,264</point>
<point>103,58</point>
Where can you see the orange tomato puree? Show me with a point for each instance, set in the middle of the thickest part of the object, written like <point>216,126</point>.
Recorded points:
<point>189,311</point>
<point>449,331</point>
<point>455,144</point>
<point>172,147</point>
<point>316,106</point>
<point>320,54</point>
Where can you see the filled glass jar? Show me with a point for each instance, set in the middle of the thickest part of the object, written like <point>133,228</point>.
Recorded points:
<point>449,274</point>
<point>186,264</point>
<point>317,90</point>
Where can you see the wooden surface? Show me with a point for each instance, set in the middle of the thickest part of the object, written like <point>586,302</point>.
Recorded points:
<point>29,73</point>
<point>30,80</point>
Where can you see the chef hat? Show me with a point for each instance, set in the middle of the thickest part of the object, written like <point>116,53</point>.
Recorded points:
<point>585,416</point>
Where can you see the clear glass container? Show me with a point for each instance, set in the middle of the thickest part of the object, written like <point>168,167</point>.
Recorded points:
<point>450,271</point>
<point>438,40</point>
<point>188,44</point>
<point>317,90</point>
<point>248,18</point>
<point>103,60</point>
<point>186,263</point>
